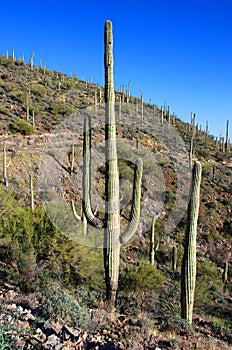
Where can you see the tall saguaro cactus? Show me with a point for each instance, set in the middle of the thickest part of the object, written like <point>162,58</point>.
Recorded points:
<point>188,271</point>
<point>111,223</point>
<point>112,238</point>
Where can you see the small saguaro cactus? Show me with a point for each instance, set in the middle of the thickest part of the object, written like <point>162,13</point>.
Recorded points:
<point>111,223</point>
<point>32,193</point>
<point>227,143</point>
<point>225,272</point>
<point>32,61</point>
<point>188,269</point>
<point>5,165</point>
<point>174,258</point>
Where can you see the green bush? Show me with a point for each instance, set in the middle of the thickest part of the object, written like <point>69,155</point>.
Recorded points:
<point>38,90</point>
<point>177,324</point>
<point>5,111</point>
<point>208,279</point>
<point>141,278</point>
<point>5,76</point>
<point>21,126</point>
<point>60,304</point>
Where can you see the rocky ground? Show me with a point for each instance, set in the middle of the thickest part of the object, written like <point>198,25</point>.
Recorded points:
<point>22,327</point>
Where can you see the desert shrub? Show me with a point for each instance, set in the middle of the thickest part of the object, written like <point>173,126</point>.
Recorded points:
<point>4,110</point>
<point>125,171</point>
<point>211,205</point>
<point>38,90</point>
<point>89,298</point>
<point>141,278</point>
<point>60,304</point>
<point>177,324</point>
<point>208,280</point>
<point>5,76</point>
<point>60,109</point>
<point>203,153</point>
<point>22,127</point>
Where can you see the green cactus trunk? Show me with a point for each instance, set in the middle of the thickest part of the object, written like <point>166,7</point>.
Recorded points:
<point>111,222</point>
<point>188,271</point>
<point>174,258</point>
<point>112,209</point>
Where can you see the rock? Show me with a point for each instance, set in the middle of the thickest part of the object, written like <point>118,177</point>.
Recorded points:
<point>71,333</point>
<point>52,342</point>
<point>20,344</point>
<point>10,295</point>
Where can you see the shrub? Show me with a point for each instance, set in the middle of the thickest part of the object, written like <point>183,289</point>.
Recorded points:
<point>5,111</point>
<point>60,304</point>
<point>22,127</point>
<point>141,278</point>
<point>38,90</point>
<point>177,324</point>
<point>5,76</point>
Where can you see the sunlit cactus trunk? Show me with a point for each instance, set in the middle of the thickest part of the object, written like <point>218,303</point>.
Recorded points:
<point>5,165</point>
<point>188,271</point>
<point>111,223</point>
<point>112,209</point>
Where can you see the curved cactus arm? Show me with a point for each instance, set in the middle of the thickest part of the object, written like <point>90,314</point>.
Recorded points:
<point>86,202</point>
<point>75,212</point>
<point>135,210</point>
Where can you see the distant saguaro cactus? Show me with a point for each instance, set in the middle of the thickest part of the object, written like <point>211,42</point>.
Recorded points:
<point>32,61</point>
<point>174,258</point>
<point>5,165</point>
<point>111,223</point>
<point>188,270</point>
<point>227,143</point>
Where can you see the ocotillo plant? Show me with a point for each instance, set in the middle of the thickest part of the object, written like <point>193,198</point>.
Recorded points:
<point>111,223</point>
<point>188,270</point>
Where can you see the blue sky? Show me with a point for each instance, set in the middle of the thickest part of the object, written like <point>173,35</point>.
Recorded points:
<point>171,50</point>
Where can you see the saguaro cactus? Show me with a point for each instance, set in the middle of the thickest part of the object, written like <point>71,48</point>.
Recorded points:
<point>188,271</point>
<point>5,165</point>
<point>174,258</point>
<point>227,143</point>
<point>111,223</point>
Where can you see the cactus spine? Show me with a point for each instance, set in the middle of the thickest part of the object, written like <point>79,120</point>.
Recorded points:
<point>188,271</point>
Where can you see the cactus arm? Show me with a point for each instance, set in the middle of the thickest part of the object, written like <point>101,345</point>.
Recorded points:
<point>74,211</point>
<point>135,211</point>
<point>188,271</point>
<point>86,202</point>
